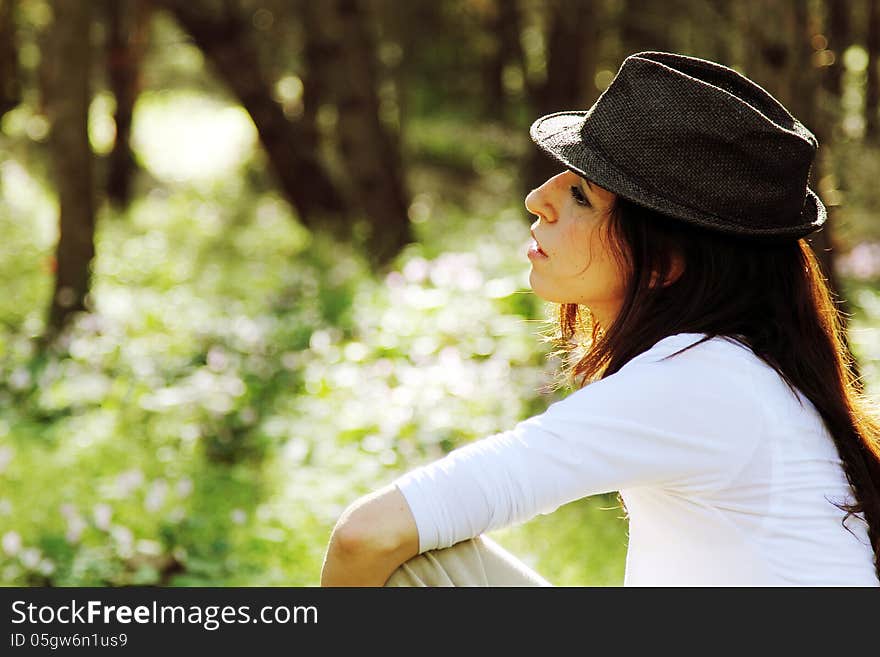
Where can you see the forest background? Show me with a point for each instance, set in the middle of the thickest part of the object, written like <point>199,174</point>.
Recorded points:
<point>260,257</point>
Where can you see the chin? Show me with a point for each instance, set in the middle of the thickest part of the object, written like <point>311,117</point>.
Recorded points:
<point>543,294</point>
<point>536,288</point>
<point>552,295</point>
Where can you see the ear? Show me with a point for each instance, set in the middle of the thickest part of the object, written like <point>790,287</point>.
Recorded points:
<point>675,271</point>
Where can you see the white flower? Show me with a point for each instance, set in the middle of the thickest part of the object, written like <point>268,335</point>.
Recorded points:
<point>6,454</point>
<point>102,513</point>
<point>127,481</point>
<point>146,546</point>
<point>20,379</point>
<point>156,495</point>
<point>184,487</point>
<point>30,557</point>
<point>11,543</point>
<point>75,527</point>
<point>123,536</point>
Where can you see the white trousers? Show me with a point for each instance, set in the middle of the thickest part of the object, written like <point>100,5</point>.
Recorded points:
<point>479,561</point>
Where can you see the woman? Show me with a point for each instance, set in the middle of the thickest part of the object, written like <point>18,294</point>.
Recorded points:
<point>715,393</point>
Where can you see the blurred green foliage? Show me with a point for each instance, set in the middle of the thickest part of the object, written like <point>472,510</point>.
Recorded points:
<point>240,381</point>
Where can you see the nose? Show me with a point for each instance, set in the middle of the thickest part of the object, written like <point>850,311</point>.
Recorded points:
<point>536,203</point>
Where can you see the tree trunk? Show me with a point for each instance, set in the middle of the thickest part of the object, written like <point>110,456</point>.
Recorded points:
<point>872,90</point>
<point>316,75</point>
<point>503,28</point>
<point>839,39</point>
<point>571,73</point>
<point>293,156</point>
<point>408,26</point>
<point>805,83</point>
<point>10,80</point>
<point>769,29</point>
<point>803,74</point>
<point>725,51</point>
<point>640,30</point>
<point>67,60</point>
<point>494,61</point>
<point>591,16</point>
<point>370,153</point>
<point>127,25</point>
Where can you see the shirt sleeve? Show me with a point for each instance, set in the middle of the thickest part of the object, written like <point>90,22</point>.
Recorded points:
<point>677,424</point>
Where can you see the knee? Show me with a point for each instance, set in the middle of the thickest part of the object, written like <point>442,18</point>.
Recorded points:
<point>458,565</point>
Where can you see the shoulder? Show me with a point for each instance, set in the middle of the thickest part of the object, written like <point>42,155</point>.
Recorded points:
<point>695,349</point>
<point>691,360</point>
<point>691,417</point>
<point>691,363</point>
<point>683,385</point>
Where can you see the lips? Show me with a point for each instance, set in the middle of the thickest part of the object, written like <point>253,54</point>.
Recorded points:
<point>538,244</point>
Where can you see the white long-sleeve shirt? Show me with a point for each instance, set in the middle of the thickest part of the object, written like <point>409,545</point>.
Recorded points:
<point>725,475</point>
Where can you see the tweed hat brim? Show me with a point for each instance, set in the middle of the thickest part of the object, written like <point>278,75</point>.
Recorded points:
<point>559,135</point>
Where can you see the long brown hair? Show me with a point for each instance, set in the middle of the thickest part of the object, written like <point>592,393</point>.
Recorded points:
<point>771,297</point>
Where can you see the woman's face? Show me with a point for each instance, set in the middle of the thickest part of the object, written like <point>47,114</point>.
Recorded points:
<point>579,266</point>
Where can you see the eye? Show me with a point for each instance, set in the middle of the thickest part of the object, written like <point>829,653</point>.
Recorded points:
<point>578,196</point>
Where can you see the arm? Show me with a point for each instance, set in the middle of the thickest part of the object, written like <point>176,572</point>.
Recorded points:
<point>372,537</point>
<point>686,424</point>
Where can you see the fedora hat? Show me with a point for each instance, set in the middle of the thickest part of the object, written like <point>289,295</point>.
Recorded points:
<point>694,140</point>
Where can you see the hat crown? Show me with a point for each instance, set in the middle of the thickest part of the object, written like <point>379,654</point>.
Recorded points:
<point>695,139</point>
<point>738,86</point>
